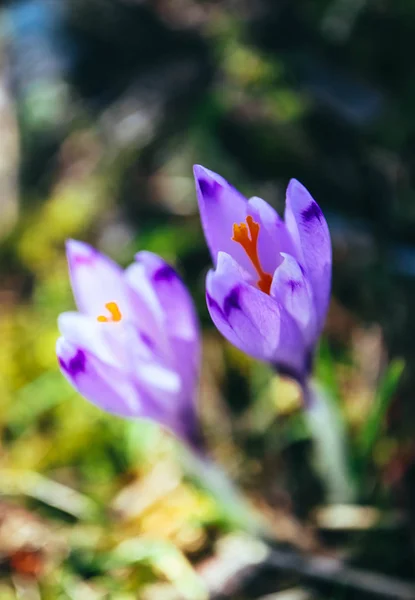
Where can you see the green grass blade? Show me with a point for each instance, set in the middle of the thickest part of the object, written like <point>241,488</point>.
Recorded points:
<point>383,398</point>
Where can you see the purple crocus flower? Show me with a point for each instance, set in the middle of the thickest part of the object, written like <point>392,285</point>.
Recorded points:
<point>269,292</point>
<point>133,348</point>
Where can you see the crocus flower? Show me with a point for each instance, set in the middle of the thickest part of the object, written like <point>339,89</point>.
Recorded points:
<point>269,292</point>
<point>133,348</point>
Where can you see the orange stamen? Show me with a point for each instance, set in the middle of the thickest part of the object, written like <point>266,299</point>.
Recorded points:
<point>249,242</point>
<point>115,312</point>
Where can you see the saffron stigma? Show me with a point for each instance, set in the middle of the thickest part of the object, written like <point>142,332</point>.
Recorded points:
<point>247,236</point>
<point>114,311</point>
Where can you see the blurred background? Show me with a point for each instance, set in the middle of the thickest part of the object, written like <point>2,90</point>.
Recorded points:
<point>105,105</point>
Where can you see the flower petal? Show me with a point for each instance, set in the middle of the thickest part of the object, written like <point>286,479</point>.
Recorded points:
<point>96,280</point>
<point>147,312</point>
<point>159,379</point>
<point>95,337</point>
<point>221,206</point>
<point>309,231</point>
<point>291,288</point>
<point>251,320</point>
<point>98,382</point>
<point>172,295</point>
<point>181,322</point>
<point>148,396</point>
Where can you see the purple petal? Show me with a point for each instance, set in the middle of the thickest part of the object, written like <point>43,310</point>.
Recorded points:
<point>160,380</point>
<point>188,428</point>
<point>221,206</point>
<point>172,295</point>
<point>112,391</point>
<point>181,322</point>
<point>251,320</point>
<point>101,384</point>
<point>147,311</point>
<point>122,347</point>
<point>96,280</point>
<point>308,229</point>
<point>291,288</point>
<point>100,339</point>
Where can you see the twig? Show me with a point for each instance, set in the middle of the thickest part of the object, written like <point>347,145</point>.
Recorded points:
<point>240,558</point>
<point>334,572</point>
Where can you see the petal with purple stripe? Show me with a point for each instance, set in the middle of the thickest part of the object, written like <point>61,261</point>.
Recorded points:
<point>96,280</point>
<point>251,320</point>
<point>175,300</point>
<point>221,206</point>
<point>97,338</point>
<point>308,229</point>
<point>181,322</point>
<point>291,288</point>
<point>101,384</point>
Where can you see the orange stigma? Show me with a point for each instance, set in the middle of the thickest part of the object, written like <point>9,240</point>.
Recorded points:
<point>247,236</point>
<point>113,310</point>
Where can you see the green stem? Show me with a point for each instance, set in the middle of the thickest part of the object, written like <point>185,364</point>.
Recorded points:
<point>233,506</point>
<point>330,444</point>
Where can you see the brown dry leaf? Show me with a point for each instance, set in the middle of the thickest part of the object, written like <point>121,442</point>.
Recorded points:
<point>27,543</point>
